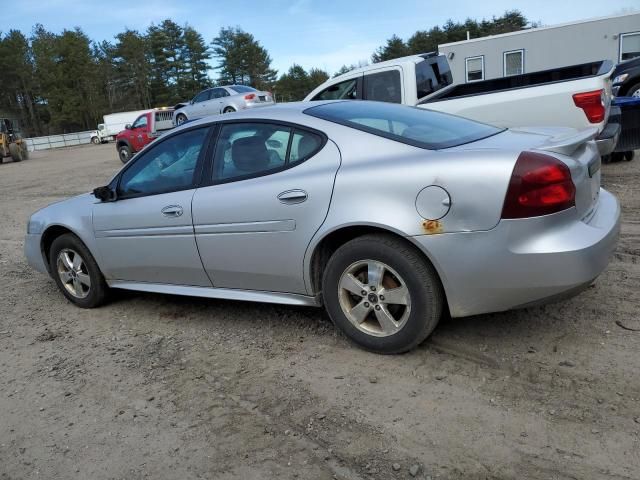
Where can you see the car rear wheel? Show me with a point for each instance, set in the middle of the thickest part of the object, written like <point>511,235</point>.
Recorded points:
<point>124,152</point>
<point>95,140</point>
<point>180,119</point>
<point>228,110</point>
<point>76,272</point>
<point>382,293</point>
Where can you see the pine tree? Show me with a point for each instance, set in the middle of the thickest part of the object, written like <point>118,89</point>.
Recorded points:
<point>195,55</point>
<point>395,48</point>
<point>242,60</point>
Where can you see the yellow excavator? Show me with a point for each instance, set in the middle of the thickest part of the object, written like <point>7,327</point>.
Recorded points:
<point>11,142</point>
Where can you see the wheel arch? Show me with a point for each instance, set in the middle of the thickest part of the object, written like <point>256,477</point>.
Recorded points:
<point>120,142</point>
<point>629,83</point>
<point>326,244</point>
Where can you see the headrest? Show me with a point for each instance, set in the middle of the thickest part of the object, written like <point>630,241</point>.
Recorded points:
<point>249,154</point>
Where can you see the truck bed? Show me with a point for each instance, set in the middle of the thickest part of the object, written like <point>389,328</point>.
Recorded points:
<point>543,77</point>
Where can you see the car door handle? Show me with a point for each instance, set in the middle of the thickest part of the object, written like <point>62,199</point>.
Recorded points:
<point>172,211</point>
<point>293,196</point>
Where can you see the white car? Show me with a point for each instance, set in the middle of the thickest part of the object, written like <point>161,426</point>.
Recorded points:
<point>227,99</point>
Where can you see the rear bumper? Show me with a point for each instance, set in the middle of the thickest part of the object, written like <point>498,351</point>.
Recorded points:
<point>524,262</point>
<point>257,105</point>
<point>608,138</point>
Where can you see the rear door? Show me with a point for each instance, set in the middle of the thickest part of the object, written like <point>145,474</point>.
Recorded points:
<point>270,188</point>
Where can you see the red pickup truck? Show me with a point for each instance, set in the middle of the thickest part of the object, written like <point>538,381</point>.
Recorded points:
<point>146,128</point>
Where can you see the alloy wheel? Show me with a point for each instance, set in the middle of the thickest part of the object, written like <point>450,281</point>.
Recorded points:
<point>73,273</point>
<point>374,298</point>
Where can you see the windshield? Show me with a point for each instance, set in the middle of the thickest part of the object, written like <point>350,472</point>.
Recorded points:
<point>242,89</point>
<point>413,126</point>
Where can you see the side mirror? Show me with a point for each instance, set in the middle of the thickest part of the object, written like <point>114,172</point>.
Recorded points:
<point>127,126</point>
<point>104,194</point>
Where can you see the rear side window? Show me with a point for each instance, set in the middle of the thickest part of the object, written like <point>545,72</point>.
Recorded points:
<point>432,74</point>
<point>383,87</point>
<point>347,90</point>
<point>410,125</point>
<point>246,150</point>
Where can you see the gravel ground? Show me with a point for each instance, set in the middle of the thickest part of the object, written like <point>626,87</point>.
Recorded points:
<point>161,387</point>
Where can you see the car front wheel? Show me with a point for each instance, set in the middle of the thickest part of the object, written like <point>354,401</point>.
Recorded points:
<point>382,293</point>
<point>124,152</point>
<point>76,272</point>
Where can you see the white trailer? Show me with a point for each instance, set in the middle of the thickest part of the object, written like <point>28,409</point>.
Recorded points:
<point>113,124</point>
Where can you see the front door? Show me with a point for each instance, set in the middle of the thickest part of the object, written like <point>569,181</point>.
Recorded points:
<point>146,235</point>
<point>270,192</point>
<point>138,132</point>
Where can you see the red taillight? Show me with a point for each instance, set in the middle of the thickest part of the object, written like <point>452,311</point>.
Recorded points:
<point>250,96</point>
<point>539,185</point>
<point>592,104</point>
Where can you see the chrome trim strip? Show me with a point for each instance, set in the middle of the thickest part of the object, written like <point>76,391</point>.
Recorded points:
<point>254,227</point>
<point>222,293</point>
<point>145,232</point>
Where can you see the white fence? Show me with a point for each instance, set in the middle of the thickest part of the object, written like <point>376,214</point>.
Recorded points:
<point>58,141</point>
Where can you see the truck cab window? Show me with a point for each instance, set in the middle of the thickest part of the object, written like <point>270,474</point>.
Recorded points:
<point>140,122</point>
<point>383,87</point>
<point>347,90</point>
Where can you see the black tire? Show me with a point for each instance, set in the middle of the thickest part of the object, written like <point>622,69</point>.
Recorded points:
<point>98,291</point>
<point>25,150</point>
<point>180,119</point>
<point>95,140</point>
<point>628,156</point>
<point>228,110</point>
<point>632,90</point>
<point>124,152</point>
<point>421,279</point>
<point>16,152</point>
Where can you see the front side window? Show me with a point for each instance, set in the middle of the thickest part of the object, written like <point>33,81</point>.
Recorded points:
<point>347,90</point>
<point>475,68</point>
<point>168,166</point>
<point>202,96</point>
<point>140,122</point>
<point>629,46</point>
<point>383,87</point>
<point>246,150</point>
<point>410,125</point>
<point>513,63</point>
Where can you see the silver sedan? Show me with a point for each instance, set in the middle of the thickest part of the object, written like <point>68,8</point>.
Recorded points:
<point>218,100</point>
<point>387,215</point>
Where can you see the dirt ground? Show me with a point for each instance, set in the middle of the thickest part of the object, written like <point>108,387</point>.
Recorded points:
<point>167,387</point>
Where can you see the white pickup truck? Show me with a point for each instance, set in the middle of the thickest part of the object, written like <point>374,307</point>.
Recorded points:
<point>577,96</point>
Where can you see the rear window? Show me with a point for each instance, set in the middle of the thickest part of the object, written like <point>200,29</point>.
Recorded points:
<point>410,125</point>
<point>243,89</point>
<point>432,74</point>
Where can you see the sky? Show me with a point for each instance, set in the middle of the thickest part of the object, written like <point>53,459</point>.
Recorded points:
<point>313,33</point>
